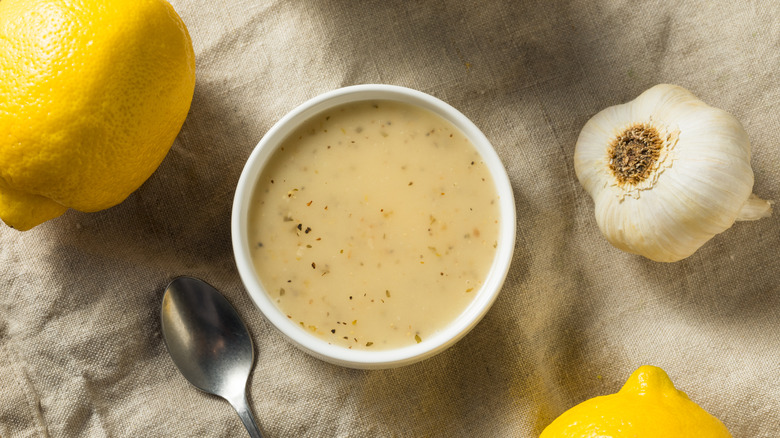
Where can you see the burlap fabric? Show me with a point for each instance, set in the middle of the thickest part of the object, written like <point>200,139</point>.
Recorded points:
<point>80,347</point>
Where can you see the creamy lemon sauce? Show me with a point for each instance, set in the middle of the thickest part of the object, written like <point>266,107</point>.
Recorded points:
<point>374,225</point>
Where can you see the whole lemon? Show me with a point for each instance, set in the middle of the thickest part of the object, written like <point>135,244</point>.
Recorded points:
<point>92,96</point>
<point>648,406</point>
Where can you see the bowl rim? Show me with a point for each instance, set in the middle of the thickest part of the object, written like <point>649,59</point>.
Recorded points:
<point>446,336</point>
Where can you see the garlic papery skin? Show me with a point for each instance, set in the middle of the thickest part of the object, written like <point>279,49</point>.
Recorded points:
<point>666,172</point>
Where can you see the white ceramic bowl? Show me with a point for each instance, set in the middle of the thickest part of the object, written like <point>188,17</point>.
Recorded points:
<point>379,358</point>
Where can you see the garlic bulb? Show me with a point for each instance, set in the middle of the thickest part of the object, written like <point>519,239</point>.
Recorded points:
<point>667,172</point>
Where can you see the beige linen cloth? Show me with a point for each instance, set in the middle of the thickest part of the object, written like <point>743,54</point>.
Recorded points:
<point>80,347</point>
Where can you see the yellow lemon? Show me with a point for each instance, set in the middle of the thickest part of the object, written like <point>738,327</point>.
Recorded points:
<point>648,406</point>
<point>92,96</point>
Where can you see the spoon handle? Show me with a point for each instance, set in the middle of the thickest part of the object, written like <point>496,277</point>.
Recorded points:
<point>245,413</point>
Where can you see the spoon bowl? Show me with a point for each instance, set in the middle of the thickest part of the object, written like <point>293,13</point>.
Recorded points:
<point>209,343</point>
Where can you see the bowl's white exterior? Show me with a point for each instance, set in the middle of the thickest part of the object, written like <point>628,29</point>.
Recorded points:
<point>380,358</point>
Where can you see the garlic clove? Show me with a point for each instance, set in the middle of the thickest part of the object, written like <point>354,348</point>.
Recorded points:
<point>755,208</point>
<point>666,172</point>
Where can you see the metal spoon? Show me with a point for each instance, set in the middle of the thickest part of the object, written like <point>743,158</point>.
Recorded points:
<point>209,343</point>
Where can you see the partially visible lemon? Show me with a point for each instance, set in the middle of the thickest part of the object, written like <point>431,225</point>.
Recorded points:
<point>648,406</point>
<point>92,95</point>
